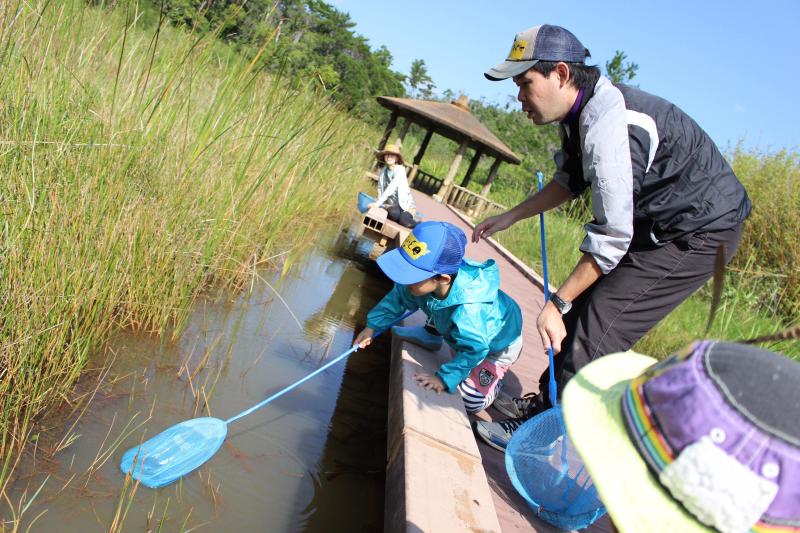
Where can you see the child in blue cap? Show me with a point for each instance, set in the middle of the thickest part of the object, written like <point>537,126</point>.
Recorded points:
<point>463,300</point>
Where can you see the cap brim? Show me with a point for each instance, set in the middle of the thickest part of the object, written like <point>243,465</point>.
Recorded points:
<point>635,499</point>
<point>395,266</point>
<point>508,69</point>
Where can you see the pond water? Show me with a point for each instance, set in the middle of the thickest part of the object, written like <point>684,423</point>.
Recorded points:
<point>313,460</point>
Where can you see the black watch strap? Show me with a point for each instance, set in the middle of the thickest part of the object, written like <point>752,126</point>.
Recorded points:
<point>563,306</point>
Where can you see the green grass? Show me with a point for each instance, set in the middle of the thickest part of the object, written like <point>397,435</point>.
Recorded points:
<point>563,238</point>
<point>762,293</point>
<point>771,240</point>
<point>140,167</point>
<point>739,316</point>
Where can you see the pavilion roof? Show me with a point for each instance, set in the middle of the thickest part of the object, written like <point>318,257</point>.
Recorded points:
<point>451,120</point>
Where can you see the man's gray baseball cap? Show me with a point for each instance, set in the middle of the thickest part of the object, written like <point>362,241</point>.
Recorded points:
<point>540,43</point>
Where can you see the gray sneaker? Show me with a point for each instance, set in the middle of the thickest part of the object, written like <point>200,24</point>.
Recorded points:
<point>514,407</point>
<point>497,434</point>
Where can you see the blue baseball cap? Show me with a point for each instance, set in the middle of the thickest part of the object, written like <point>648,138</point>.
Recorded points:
<point>540,43</point>
<point>431,248</point>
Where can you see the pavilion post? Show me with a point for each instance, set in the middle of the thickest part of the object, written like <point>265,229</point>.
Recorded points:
<point>403,132</point>
<point>472,165</point>
<point>386,133</point>
<point>451,174</point>
<point>492,175</point>
<point>418,158</point>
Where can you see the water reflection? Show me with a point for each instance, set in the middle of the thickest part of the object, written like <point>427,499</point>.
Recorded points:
<point>312,460</point>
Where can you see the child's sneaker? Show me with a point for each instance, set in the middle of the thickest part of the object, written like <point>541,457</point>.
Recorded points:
<point>497,434</point>
<point>514,407</point>
<point>418,335</point>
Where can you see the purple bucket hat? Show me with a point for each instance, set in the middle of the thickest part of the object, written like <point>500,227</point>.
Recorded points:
<point>717,426</point>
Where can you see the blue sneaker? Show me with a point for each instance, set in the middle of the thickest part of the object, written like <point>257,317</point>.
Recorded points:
<point>418,335</point>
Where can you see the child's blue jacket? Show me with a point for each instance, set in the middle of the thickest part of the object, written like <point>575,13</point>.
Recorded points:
<point>475,319</point>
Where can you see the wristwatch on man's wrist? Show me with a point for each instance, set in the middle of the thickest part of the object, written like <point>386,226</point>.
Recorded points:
<point>563,306</point>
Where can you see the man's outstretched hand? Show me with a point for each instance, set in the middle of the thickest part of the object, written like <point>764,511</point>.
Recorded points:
<point>491,225</point>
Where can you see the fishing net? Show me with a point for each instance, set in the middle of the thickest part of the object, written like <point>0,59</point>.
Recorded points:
<point>175,451</point>
<point>540,459</point>
<point>182,448</point>
<point>547,471</point>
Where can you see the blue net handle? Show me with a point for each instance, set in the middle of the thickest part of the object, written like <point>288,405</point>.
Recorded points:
<point>311,375</point>
<point>553,389</point>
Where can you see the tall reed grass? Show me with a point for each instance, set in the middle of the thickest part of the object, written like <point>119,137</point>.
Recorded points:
<point>771,240</point>
<point>762,292</point>
<point>140,166</point>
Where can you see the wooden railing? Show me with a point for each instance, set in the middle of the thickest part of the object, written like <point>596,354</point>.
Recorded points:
<point>426,183</point>
<point>472,203</point>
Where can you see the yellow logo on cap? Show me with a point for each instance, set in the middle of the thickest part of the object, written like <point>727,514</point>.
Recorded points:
<point>415,248</point>
<point>517,50</point>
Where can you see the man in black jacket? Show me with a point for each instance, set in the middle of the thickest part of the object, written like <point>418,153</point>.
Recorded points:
<point>663,200</point>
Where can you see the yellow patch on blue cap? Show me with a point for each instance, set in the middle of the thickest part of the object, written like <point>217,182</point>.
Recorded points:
<point>414,248</point>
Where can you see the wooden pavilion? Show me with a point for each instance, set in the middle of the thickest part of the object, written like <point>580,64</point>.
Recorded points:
<point>453,121</point>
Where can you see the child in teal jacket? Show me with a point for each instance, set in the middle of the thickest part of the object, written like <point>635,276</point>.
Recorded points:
<point>463,300</point>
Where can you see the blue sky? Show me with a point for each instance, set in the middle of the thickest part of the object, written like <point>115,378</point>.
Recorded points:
<point>733,66</point>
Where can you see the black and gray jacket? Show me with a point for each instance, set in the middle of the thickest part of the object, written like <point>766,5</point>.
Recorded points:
<point>650,167</point>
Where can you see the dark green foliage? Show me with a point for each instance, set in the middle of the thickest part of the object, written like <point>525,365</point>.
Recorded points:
<point>313,43</point>
<point>535,145</point>
<point>419,81</point>
<point>618,71</point>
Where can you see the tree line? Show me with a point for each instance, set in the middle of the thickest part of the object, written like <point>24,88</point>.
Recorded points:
<point>314,42</point>
<point>310,41</point>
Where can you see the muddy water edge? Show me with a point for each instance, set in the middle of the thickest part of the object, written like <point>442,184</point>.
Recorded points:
<point>311,461</point>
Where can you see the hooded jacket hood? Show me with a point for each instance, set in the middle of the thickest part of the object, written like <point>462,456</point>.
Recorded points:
<point>476,283</point>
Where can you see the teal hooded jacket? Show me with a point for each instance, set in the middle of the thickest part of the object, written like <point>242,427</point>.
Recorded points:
<point>475,319</point>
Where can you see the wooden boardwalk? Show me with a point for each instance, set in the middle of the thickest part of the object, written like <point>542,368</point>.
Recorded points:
<point>513,512</point>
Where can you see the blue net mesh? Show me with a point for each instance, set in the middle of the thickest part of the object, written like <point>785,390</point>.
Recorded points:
<point>452,251</point>
<point>548,472</point>
<point>174,452</point>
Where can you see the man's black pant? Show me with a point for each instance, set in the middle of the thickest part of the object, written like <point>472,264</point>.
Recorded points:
<point>648,283</point>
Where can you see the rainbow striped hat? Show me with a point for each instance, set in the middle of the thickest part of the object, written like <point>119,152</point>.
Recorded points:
<point>706,440</point>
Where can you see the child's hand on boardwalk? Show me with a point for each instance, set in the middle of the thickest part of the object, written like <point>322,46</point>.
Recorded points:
<point>364,338</point>
<point>429,382</point>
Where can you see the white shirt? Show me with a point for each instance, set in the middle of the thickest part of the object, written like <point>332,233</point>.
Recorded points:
<point>393,183</point>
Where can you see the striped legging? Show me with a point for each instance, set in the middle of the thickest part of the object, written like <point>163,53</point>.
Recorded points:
<point>485,380</point>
